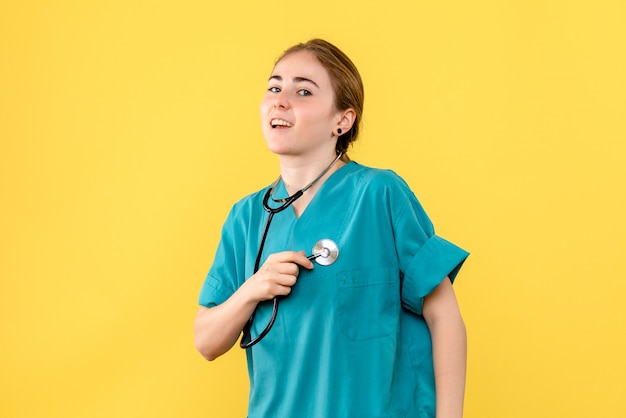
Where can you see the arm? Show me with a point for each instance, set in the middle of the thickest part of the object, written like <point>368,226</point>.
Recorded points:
<point>441,312</point>
<point>217,329</point>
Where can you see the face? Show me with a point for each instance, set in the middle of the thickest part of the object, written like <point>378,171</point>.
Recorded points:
<point>298,112</point>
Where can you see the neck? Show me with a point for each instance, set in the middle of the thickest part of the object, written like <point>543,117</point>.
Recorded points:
<point>297,173</point>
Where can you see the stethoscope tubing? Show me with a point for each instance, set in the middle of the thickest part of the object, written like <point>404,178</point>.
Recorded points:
<point>271,212</point>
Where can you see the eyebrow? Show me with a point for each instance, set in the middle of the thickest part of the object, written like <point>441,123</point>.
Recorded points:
<point>295,79</point>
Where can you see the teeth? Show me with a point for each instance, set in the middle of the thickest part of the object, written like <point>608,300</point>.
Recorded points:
<point>280,122</point>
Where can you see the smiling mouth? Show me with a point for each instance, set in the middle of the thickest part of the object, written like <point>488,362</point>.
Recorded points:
<point>275,123</point>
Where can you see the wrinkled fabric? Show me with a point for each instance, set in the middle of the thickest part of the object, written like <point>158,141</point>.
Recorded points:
<point>349,341</point>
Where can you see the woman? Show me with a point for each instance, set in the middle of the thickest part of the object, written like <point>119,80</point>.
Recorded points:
<point>378,332</point>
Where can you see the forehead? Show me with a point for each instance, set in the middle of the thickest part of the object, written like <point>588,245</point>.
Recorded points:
<point>302,64</point>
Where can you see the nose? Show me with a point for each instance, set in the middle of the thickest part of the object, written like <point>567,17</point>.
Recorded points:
<point>280,101</point>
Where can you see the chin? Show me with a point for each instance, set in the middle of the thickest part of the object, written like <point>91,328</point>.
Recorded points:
<point>282,151</point>
<point>279,147</point>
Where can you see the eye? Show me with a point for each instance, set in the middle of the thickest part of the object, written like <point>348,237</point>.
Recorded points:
<point>274,89</point>
<point>304,92</point>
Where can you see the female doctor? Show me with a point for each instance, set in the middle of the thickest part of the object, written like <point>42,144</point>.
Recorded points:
<point>378,332</point>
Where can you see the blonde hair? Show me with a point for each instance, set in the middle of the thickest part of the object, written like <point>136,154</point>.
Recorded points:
<point>345,80</point>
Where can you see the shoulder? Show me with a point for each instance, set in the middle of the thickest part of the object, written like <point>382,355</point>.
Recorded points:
<point>250,200</point>
<point>379,179</point>
<point>247,207</point>
<point>385,188</point>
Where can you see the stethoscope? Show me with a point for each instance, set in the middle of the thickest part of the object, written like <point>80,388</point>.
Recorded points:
<point>325,251</point>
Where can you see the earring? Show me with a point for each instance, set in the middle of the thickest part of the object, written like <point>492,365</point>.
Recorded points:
<point>339,131</point>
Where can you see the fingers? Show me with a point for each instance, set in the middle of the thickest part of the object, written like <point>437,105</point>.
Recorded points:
<point>278,274</point>
<point>268,283</point>
<point>297,257</point>
<point>283,268</point>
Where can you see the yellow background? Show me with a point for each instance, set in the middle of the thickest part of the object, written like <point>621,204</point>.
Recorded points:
<point>128,128</point>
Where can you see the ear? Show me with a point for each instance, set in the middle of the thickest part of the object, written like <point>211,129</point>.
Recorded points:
<point>346,120</point>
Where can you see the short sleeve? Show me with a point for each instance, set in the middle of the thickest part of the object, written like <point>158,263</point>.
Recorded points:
<point>212,293</point>
<point>425,258</point>
<point>220,282</point>
<point>435,260</point>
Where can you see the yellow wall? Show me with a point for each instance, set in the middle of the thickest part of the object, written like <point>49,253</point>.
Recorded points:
<point>127,129</point>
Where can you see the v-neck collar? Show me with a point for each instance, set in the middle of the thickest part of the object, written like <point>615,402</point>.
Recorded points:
<point>281,190</point>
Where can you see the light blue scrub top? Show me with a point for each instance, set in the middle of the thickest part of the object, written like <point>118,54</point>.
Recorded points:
<point>349,341</point>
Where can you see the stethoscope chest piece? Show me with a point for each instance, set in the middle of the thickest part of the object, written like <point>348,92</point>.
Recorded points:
<point>325,252</point>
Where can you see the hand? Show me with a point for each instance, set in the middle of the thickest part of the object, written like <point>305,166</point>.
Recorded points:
<point>277,275</point>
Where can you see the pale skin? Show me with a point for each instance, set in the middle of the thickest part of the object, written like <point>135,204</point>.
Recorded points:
<point>300,123</point>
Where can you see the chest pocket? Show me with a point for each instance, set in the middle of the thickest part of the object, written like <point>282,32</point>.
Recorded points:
<point>368,302</point>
